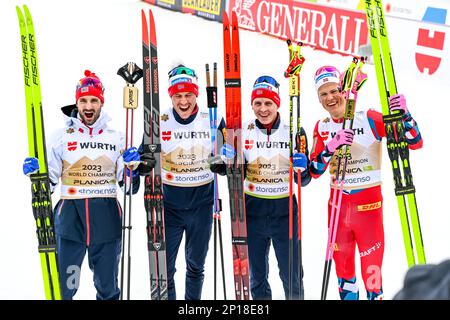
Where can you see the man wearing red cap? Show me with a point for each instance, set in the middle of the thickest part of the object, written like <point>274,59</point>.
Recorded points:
<point>188,181</point>
<point>86,156</point>
<point>266,185</point>
<point>361,212</point>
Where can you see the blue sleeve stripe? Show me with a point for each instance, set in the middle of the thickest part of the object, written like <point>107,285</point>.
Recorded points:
<point>414,140</point>
<point>374,129</point>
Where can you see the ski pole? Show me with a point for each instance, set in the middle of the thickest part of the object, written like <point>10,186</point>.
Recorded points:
<point>131,73</point>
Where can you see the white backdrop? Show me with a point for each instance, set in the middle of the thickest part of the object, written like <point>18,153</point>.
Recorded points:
<point>103,35</point>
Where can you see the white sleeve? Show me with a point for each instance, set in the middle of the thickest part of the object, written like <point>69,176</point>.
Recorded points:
<point>54,158</point>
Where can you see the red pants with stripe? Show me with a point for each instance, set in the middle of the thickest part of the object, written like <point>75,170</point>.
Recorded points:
<point>360,223</point>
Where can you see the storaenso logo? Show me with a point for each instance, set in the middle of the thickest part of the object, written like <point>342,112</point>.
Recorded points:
<point>380,18</point>
<point>33,59</point>
<point>370,19</point>
<point>25,61</point>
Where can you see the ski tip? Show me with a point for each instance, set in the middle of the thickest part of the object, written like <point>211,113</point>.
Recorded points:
<point>19,12</point>
<point>26,11</point>
<point>144,28</point>
<point>234,19</point>
<point>152,28</point>
<point>225,19</point>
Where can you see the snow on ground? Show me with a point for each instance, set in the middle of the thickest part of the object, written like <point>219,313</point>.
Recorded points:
<point>102,36</point>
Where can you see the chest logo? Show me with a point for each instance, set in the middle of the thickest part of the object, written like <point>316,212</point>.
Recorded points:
<point>166,135</point>
<point>249,144</point>
<point>72,146</point>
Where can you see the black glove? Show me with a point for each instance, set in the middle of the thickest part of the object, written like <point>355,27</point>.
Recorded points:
<point>216,165</point>
<point>148,163</point>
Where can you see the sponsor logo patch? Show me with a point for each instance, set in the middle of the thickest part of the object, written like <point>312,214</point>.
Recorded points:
<point>369,206</point>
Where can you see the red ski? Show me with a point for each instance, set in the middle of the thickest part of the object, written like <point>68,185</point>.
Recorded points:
<point>235,165</point>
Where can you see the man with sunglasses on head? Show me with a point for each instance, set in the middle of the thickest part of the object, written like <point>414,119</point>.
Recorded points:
<point>86,156</point>
<point>187,180</point>
<point>361,211</point>
<point>266,185</point>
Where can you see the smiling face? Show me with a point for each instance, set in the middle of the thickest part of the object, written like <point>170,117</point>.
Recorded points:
<point>265,110</point>
<point>184,103</point>
<point>89,108</point>
<point>332,100</point>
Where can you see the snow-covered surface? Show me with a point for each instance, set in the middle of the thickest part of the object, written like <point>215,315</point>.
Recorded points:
<point>102,36</point>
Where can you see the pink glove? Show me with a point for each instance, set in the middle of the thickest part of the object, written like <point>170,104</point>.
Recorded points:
<point>342,137</point>
<point>398,102</point>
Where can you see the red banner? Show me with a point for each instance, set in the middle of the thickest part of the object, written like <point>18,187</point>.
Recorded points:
<point>331,29</point>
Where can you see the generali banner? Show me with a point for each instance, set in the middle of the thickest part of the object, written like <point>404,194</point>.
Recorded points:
<point>332,29</point>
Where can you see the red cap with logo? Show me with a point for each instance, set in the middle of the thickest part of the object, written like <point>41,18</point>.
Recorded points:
<point>90,85</point>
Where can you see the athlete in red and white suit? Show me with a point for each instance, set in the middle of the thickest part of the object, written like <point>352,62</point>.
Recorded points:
<point>361,212</point>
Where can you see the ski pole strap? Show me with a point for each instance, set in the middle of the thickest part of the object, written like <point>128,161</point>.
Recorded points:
<point>130,72</point>
<point>218,205</point>
<point>347,78</point>
<point>301,142</point>
<point>211,93</point>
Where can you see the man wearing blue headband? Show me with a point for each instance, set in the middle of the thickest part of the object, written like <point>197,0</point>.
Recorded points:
<point>188,181</point>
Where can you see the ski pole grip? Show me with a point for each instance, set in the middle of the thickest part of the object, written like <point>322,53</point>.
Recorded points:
<point>130,72</point>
